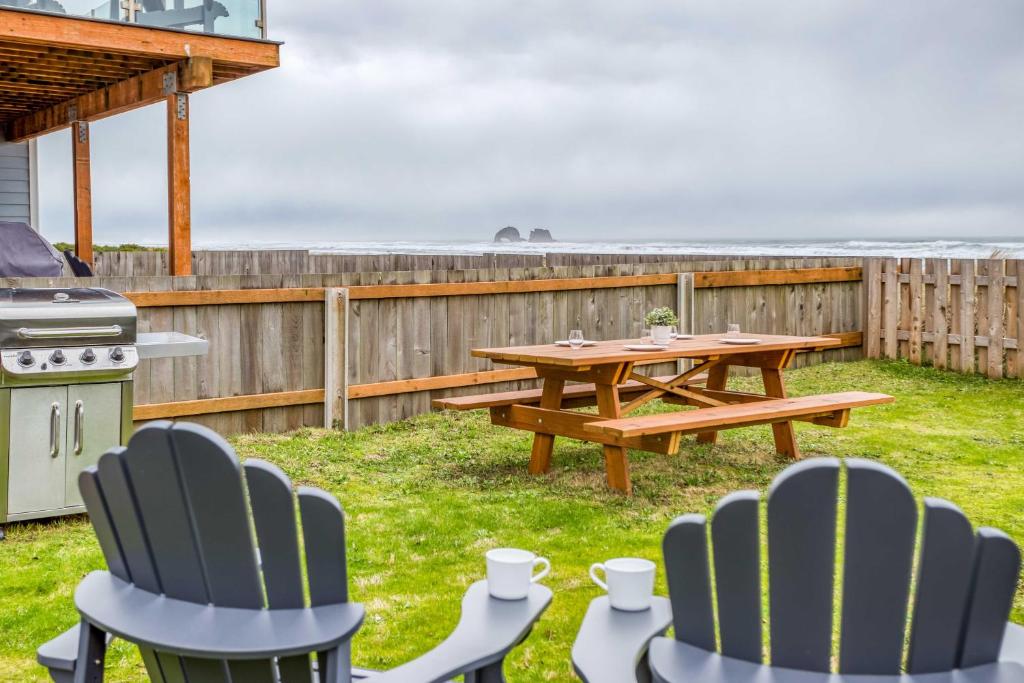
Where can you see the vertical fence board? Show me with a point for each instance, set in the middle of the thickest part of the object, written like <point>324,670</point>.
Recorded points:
<point>939,269</point>
<point>967,312</point>
<point>892,308</point>
<point>1015,319</point>
<point>874,305</point>
<point>981,315</point>
<point>917,298</point>
<point>996,329</point>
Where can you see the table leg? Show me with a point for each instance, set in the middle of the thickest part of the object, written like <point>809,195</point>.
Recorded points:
<point>616,462</point>
<point>785,437</point>
<point>718,377</point>
<point>543,444</point>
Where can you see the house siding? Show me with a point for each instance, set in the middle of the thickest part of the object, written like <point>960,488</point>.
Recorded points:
<point>15,183</point>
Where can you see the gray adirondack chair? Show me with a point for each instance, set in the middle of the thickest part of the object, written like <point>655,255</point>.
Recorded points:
<point>187,584</point>
<point>963,591</point>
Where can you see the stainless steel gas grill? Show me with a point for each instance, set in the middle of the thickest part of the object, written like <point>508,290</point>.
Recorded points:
<point>66,363</point>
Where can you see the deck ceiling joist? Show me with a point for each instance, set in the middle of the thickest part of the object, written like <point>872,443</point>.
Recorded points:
<point>49,62</point>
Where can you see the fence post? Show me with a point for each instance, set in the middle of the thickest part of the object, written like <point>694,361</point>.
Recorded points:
<point>336,358</point>
<point>873,304</point>
<point>684,308</point>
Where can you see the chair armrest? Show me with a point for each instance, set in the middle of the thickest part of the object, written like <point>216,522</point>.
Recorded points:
<point>1013,644</point>
<point>191,630</point>
<point>487,630</point>
<point>611,644</point>
<point>60,654</point>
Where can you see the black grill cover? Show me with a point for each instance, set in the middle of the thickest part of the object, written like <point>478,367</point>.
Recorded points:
<point>23,253</point>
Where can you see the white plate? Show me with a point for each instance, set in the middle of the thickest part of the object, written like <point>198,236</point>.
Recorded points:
<point>644,347</point>
<point>683,336</point>
<point>740,341</point>
<point>566,343</point>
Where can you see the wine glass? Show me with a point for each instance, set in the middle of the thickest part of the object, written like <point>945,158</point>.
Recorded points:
<point>673,332</point>
<point>645,336</point>
<point>576,338</point>
<point>733,331</point>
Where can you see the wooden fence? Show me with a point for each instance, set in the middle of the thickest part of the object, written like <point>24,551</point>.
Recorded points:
<point>962,314</point>
<point>377,347</point>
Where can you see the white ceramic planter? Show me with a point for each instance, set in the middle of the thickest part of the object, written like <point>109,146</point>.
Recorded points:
<point>661,334</point>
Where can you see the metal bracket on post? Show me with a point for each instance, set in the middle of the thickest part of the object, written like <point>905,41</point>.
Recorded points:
<point>72,113</point>
<point>170,82</point>
<point>82,129</point>
<point>336,358</point>
<point>182,104</point>
<point>685,311</point>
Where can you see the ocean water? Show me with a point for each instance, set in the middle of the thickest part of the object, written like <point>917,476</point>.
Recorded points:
<point>909,249</point>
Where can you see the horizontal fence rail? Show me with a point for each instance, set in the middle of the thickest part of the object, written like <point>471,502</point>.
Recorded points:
<point>361,348</point>
<point>959,314</point>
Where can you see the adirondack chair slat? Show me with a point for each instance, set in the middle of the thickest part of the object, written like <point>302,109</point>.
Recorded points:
<point>273,510</point>
<point>943,582</point>
<point>255,671</point>
<point>219,515</point>
<point>996,568</point>
<point>881,522</point>
<point>89,487</point>
<point>801,558</point>
<point>152,661</point>
<point>171,668</point>
<point>685,548</point>
<point>165,518</point>
<point>120,505</point>
<point>205,671</point>
<point>737,551</point>
<point>323,530</point>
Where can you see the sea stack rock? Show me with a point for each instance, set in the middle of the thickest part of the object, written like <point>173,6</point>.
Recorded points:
<point>508,234</point>
<point>541,235</point>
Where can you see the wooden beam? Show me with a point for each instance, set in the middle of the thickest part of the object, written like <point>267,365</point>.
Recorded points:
<point>230,404</point>
<point>336,359</point>
<point>791,276</point>
<point>225,297</point>
<point>151,87</point>
<point>179,186</point>
<point>469,379</point>
<point>82,186</point>
<point>506,286</point>
<point>73,33</point>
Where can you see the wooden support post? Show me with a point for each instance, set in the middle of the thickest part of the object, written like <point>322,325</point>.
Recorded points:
<point>543,444</point>
<point>336,358</point>
<point>82,180</point>
<point>179,202</point>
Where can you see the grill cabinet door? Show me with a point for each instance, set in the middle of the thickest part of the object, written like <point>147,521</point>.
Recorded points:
<point>36,475</point>
<point>93,428</point>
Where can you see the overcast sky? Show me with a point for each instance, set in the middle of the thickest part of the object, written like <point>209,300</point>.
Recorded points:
<point>598,119</point>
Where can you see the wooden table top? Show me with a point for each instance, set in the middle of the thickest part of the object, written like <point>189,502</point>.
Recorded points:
<point>609,352</point>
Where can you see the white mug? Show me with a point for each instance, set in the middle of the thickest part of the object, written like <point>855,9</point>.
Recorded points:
<point>510,572</point>
<point>630,582</point>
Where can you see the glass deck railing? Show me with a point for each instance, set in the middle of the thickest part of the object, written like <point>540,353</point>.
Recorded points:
<point>242,18</point>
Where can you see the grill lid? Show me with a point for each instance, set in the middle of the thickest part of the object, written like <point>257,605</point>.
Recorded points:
<point>75,316</point>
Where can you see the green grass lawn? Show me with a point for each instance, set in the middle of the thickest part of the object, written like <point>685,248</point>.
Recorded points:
<point>427,497</point>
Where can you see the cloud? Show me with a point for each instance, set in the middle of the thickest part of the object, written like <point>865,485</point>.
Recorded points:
<point>395,119</point>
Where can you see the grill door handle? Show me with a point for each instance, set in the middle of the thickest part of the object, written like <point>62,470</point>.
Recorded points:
<point>69,332</point>
<point>79,427</point>
<point>54,430</point>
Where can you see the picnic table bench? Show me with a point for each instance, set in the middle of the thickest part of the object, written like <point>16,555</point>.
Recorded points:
<point>605,375</point>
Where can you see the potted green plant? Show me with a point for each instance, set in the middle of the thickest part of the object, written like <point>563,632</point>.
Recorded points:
<point>661,321</point>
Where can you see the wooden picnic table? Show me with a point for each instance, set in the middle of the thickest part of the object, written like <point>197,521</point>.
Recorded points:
<point>618,390</point>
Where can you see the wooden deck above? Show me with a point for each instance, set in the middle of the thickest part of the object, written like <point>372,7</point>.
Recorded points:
<point>57,69</point>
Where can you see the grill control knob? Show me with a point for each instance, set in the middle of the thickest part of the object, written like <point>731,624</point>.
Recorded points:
<point>88,357</point>
<point>117,354</point>
<point>25,359</point>
<point>58,358</point>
